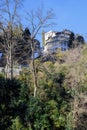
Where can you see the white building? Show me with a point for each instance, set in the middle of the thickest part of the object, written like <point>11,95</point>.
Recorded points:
<point>56,40</point>
<point>49,35</point>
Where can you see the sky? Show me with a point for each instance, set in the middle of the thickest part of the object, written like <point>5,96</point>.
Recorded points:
<point>69,14</point>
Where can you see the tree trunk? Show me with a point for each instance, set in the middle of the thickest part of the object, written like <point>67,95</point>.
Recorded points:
<point>34,70</point>
<point>11,63</point>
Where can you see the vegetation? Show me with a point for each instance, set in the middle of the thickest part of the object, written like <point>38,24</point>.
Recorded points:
<point>61,101</point>
<point>49,94</point>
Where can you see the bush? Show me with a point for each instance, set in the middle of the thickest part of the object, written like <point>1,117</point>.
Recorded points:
<point>11,100</point>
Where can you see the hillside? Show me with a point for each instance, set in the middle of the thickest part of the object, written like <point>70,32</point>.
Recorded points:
<point>60,102</point>
<point>69,71</point>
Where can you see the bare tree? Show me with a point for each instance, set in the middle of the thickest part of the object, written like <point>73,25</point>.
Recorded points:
<point>9,17</point>
<point>37,21</point>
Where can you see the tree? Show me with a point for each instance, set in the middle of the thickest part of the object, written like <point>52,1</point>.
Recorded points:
<point>77,41</point>
<point>80,39</point>
<point>37,21</point>
<point>71,40</point>
<point>8,40</point>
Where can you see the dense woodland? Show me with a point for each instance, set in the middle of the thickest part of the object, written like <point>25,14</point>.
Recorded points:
<point>61,99</point>
<point>51,92</point>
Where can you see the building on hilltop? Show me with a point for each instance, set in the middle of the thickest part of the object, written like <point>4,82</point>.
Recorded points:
<point>57,40</point>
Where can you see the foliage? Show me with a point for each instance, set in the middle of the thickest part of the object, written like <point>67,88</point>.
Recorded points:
<point>11,100</point>
<point>50,94</point>
<point>21,110</point>
<point>61,100</point>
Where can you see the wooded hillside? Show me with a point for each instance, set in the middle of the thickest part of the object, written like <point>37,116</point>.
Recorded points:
<point>60,102</point>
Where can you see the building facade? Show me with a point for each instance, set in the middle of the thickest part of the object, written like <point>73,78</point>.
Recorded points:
<point>56,40</point>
